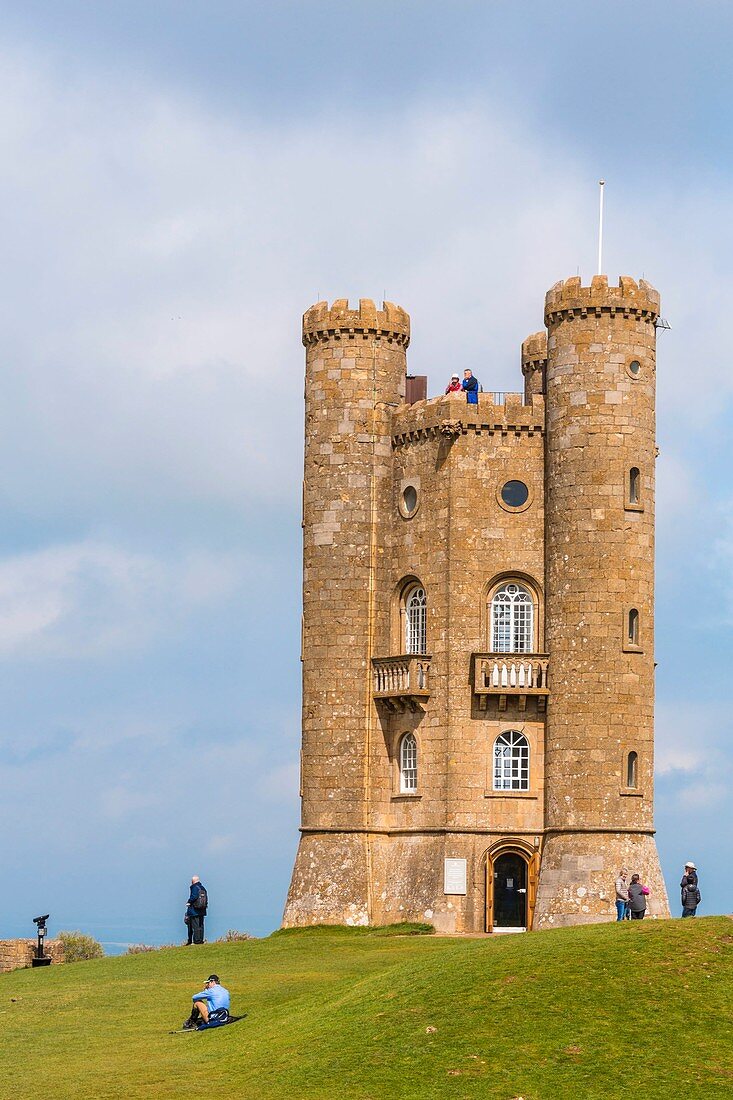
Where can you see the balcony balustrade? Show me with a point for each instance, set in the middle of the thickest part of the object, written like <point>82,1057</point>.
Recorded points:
<point>402,682</point>
<point>517,674</point>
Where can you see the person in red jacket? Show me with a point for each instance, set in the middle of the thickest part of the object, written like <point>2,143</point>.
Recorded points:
<point>454,386</point>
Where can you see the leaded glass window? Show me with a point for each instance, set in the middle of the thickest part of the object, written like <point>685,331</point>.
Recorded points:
<point>512,620</point>
<point>416,621</point>
<point>511,762</point>
<point>408,763</point>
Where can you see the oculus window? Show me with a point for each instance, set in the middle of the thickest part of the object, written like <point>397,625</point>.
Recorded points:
<point>514,494</point>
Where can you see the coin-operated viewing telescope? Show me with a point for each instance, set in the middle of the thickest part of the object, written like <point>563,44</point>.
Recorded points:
<point>39,959</point>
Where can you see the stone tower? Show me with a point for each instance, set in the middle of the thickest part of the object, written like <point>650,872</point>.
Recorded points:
<point>599,570</point>
<point>478,625</point>
<point>354,378</point>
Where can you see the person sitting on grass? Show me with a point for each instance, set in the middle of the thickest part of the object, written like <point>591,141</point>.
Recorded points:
<point>210,1006</point>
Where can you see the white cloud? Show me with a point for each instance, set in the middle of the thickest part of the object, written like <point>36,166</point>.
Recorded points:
<point>159,258</point>
<point>280,783</point>
<point>120,801</point>
<point>220,843</point>
<point>89,599</point>
<point>691,740</point>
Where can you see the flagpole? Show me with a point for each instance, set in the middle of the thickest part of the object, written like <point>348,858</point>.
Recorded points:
<point>601,185</point>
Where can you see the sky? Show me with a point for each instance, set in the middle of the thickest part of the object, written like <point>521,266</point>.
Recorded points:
<point>179,181</point>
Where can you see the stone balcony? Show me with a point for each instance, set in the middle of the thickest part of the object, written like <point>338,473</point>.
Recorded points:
<point>511,674</point>
<point>401,683</point>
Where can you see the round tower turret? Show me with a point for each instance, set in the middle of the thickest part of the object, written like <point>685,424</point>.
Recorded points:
<point>534,365</point>
<point>599,545</point>
<point>355,375</point>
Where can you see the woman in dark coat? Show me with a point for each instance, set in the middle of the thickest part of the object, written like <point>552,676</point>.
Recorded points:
<point>637,898</point>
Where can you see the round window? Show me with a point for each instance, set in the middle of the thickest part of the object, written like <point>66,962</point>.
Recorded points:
<point>409,499</point>
<point>634,368</point>
<point>514,494</point>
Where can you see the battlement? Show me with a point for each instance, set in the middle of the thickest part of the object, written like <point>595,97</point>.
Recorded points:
<point>341,323</point>
<point>534,352</point>
<point>451,416</point>
<point>569,298</point>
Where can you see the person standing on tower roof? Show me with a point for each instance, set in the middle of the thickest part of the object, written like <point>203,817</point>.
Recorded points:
<point>198,903</point>
<point>690,891</point>
<point>471,387</point>
<point>454,386</point>
<point>622,895</point>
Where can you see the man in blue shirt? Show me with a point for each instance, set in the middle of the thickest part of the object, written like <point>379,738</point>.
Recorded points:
<point>470,386</point>
<point>210,1006</point>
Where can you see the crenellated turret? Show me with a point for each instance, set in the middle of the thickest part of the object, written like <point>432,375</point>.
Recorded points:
<point>599,570</point>
<point>534,365</point>
<point>355,375</point>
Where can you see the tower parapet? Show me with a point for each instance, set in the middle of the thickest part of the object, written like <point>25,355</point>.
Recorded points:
<point>338,322</point>
<point>569,297</point>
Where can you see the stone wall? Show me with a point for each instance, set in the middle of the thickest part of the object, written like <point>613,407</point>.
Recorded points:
<point>15,954</point>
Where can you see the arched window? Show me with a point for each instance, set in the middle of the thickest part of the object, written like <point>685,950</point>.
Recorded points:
<point>632,770</point>
<point>408,763</point>
<point>415,620</point>
<point>512,619</point>
<point>634,486</point>
<point>511,762</point>
<point>633,627</point>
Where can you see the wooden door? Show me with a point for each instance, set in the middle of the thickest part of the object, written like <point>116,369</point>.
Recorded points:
<point>489,927</point>
<point>533,874</point>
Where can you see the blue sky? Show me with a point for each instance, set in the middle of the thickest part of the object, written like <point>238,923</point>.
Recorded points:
<point>179,181</point>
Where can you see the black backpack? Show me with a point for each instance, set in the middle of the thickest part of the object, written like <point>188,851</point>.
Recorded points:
<point>202,901</point>
<point>692,897</point>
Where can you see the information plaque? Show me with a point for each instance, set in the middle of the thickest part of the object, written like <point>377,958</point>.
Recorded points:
<point>454,876</point>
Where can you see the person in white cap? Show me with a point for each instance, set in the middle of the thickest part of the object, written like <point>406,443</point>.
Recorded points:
<point>622,895</point>
<point>454,386</point>
<point>690,890</point>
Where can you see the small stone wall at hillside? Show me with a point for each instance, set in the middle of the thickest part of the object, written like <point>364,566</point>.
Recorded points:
<point>15,954</point>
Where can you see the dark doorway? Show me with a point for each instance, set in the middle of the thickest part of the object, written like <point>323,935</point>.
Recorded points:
<point>510,891</point>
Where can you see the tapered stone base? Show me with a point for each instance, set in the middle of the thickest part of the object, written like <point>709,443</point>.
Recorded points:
<point>356,879</point>
<point>578,872</point>
<point>329,883</point>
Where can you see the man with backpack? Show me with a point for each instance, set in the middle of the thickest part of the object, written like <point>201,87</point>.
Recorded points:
<point>690,891</point>
<point>198,902</point>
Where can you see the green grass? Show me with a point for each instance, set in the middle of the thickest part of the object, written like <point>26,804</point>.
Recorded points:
<point>644,1009</point>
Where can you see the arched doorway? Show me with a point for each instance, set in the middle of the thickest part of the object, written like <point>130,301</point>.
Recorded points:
<point>511,887</point>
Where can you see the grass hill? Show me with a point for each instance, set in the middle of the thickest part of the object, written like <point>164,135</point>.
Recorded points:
<point>643,1009</point>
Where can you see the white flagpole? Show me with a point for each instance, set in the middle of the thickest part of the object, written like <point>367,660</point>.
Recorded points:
<point>601,185</point>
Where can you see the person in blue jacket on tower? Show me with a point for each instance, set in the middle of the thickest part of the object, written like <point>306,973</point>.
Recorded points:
<point>471,387</point>
<point>210,1006</point>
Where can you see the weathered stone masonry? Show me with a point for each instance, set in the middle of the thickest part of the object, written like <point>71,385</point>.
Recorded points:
<point>397,496</point>
<point>17,954</point>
